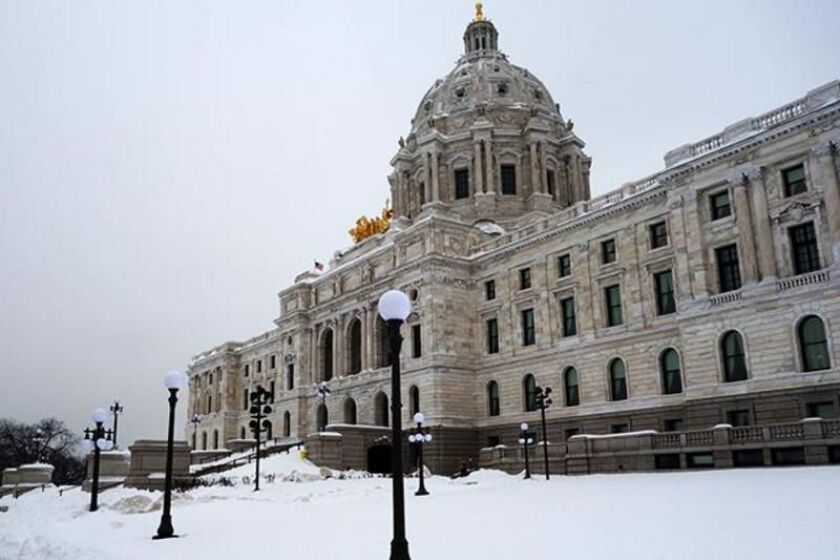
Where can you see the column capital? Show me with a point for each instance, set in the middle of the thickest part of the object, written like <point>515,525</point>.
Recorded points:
<point>742,173</point>
<point>826,147</point>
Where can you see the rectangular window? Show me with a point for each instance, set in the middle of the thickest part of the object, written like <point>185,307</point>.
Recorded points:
<point>416,342</point>
<point>619,428</point>
<point>658,235</point>
<point>272,361</point>
<point>748,458</point>
<point>210,379</point>
<point>508,176</point>
<point>821,410</point>
<point>803,242</point>
<point>564,265</point>
<point>493,441</point>
<point>524,278</point>
<point>490,290</point>
<point>673,425</point>
<point>666,461</point>
<point>271,388</point>
<point>462,183</point>
<point>794,180</point>
<point>290,376</point>
<point>729,274</point>
<point>788,456</point>
<point>719,204</point>
<point>567,311</point>
<point>492,336</point>
<point>259,366</point>
<point>700,460</point>
<point>612,296</point>
<point>528,334</point>
<point>245,399</point>
<point>550,182</point>
<point>738,417</point>
<point>664,292</point>
<point>608,251</point>
<point>247,370</point>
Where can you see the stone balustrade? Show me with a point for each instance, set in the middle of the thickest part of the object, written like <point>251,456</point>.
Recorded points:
<point>812,441</point>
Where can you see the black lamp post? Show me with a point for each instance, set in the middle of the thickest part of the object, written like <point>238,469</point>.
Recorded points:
<point>525,440</point>
<point>40,440</point>
<point>98,439</point>
<point>174,381</point>
<point>116,409</point>
<point>394,308</point>
<point>420,438</point>
<point>543,402</point>
<point>259,408</point>
<point>195,421</point>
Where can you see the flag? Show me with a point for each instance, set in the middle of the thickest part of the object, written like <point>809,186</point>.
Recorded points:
<point>319,266</point>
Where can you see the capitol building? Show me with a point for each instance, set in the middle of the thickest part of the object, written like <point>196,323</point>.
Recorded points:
<point>698,307</point>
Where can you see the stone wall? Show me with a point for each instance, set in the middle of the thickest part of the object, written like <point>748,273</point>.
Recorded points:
<point>812,441</point>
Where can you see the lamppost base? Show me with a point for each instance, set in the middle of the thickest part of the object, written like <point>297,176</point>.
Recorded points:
<point>161,537</point>
<point>421,492</point>
<point>165,530</point>
<point>399,550</point>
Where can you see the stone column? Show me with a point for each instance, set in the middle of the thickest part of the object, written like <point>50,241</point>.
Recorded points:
<point>535,178</point>
<point>435,177</point>
<point>544,170</point>
<point>746,253</point>
<point>488,166</point>
<point>824,154</point>
<point>478,184</point>
<point>568,190</point>
<point>398,204</point>
<point>764,233</point>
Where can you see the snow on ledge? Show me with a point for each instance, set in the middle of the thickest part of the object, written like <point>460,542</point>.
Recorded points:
<point>607,436</point>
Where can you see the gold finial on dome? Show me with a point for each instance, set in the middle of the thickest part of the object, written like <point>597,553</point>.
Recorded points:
<point>479,11</point>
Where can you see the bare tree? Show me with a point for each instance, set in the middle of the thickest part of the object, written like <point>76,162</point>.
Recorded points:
<point>48,441</point>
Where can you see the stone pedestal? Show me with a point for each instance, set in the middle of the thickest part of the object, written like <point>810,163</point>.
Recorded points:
<point>36,475</point>
<point>148,464</point>
<point>113,468</point>
<point>10,480</point>
<point>324,449</point>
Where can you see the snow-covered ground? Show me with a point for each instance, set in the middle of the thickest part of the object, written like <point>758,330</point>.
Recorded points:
<point>738,514</point>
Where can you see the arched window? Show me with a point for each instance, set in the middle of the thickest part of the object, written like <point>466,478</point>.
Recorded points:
<point>269,429</point>
<point>812,344</point>
<point>215,439</point>
<point>618,380</point>
<point>327,355</point>
<point>734,361</point>
<point>570,381</point>
<point>209,404</point>
<point>287,424</point>
<point>194,440</point>
<point>382,330</point>
<point>493,405</point>
<point>242,432</point>
<point>669,366</point>
<point>322,417</point>
<point>414,399</point>
<point>349,411</point>
<point>204,440</point>
<point>355,347</point>
<point>529,392</point>
<point>380,409</point>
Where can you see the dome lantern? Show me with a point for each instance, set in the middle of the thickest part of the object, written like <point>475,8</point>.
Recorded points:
<point>481,37</point>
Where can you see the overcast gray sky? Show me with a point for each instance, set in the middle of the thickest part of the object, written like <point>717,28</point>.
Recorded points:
<point>166,167</point>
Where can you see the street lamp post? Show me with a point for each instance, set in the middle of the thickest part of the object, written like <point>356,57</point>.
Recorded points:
<point>420,438</point>
<point>174,381</point>
<point>394,308</point>
<point>525,440</point>
<point>259,408</point>
<point>116,409</point>
<point>98,439</point>
<point>543,402</point>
